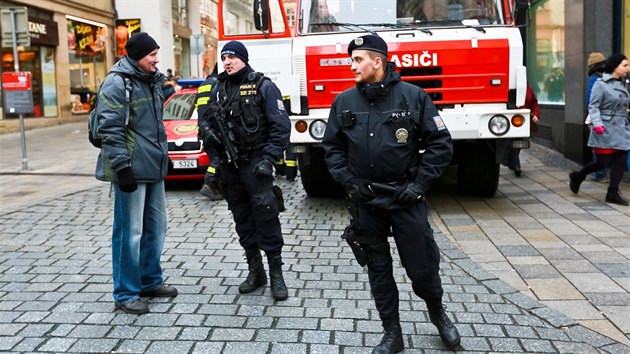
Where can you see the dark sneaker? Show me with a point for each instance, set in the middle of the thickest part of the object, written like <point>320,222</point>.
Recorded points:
<point>136,307</point>
<point>517,171</point>
<point>162,291</point>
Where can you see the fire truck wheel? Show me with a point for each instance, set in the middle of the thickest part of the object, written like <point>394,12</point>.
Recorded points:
<point>315,177</point>
<point>477,170</point>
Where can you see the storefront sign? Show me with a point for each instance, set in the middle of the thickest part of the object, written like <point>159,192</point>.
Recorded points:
<point>18,97</point>
<point>86,39</point>
<point>124,29</point>
<point>43,32</point>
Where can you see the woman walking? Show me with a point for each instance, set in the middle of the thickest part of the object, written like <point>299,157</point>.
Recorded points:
<point>610,129</point>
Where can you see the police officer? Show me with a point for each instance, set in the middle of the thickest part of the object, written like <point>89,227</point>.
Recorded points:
<point>255,116</point>
<point>375,133</point>
<point>210,188</point>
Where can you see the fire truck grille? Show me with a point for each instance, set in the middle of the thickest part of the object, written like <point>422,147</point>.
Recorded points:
<point>411,75</point>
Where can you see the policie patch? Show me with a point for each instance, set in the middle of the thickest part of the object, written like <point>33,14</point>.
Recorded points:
<point>280,105</point>
<point>439,123</point>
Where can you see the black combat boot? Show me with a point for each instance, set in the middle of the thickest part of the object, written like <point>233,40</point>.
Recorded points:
<point>613,197</point>
<point>257,276</point>
<point>278,288</point>
<point>575,179</point>
<point>446,328</point>
<point>392,341</point>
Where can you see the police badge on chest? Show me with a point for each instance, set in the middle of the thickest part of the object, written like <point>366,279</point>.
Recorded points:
<point>402,135</point>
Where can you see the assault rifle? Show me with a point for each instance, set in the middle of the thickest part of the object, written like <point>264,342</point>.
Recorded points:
<point>226,137</point>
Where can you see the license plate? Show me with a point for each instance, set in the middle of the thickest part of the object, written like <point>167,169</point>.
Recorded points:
<point>177,164</point>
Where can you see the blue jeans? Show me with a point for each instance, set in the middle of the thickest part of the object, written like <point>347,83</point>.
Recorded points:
<point>137,239</point>
<point>513,160</point>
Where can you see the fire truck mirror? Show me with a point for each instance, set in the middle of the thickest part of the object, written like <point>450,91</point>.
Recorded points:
<point>261,15</point>
<point>521,12</point>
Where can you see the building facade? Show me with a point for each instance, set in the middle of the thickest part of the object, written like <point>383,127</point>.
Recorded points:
<point>74,43</point>
<point>558,39</point>
<point>69,55</point>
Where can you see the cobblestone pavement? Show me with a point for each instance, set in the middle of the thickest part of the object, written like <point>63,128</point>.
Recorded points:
<point>55,272</point>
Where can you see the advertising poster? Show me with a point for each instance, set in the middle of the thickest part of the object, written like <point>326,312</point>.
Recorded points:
<point>49,87</point>
<point>86,40</point>
<point>124,29</point>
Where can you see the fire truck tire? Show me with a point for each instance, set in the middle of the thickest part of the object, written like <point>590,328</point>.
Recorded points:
<point>477,170</point>
<point>316,179</point>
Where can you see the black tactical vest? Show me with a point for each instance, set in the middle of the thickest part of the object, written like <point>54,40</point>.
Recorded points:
<point>244,112</point>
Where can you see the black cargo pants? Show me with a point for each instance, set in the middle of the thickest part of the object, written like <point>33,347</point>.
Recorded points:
<point>416,246</point>
<point>254,207</point>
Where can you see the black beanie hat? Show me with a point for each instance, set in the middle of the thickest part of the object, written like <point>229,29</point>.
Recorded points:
<point>139,45</point>
<point>368,42</point>
<point>235,48</point>
<point>613,62</point>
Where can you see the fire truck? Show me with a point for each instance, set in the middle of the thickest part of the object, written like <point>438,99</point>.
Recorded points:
<point>466,54</point>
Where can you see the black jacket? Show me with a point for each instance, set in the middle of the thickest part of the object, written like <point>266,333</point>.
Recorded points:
<point>393,121</point>
<point>268,99</point>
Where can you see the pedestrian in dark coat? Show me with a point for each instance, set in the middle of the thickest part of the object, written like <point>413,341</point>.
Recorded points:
<point>610,130</point>
<point>595,62</point>
<point>388,131</point>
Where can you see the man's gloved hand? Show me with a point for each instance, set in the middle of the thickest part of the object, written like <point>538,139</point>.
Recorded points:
<point>408,193</point>
<point>358,190</point>
<point>599,130</point>
<point>264,168</point>
<point>209,138</point>
<point>126,180</point>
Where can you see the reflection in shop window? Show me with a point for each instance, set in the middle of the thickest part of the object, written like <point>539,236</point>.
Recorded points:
<point>545,61</point>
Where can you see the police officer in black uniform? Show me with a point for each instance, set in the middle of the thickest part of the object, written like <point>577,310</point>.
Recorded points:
<point>256,117</point>
<point>210,188</point>
<point>388,131</point>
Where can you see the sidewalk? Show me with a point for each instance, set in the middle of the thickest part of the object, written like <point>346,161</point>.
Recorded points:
<point>534,257</point>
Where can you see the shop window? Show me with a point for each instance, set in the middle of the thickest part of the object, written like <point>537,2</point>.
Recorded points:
<point>546,56</point>
<point>88,68</point>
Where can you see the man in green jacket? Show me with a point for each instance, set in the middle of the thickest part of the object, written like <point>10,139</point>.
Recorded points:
<point>134,158</point>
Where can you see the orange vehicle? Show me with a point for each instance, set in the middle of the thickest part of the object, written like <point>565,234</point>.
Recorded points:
<point>189,160</point>
<point>467,55</point>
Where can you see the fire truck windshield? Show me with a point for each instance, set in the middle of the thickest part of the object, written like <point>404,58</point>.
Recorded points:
<point>365,15</point>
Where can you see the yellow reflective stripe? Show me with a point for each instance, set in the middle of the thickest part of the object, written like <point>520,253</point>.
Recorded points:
<point>204,88</point>
<point>211,170</point>
<point>284,98</point>
<point>202,101</point>
<point>280,162</point>
<point>291,163</point>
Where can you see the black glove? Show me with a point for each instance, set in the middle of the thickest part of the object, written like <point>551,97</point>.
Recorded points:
<point>126,180</point>
<point>264,168</point>
<point>408,193</point>
<point>358,190</point>
<point>210,139</point>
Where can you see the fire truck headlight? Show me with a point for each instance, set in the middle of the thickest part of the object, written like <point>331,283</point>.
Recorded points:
<point>499,125</point>
<point>317,129</point>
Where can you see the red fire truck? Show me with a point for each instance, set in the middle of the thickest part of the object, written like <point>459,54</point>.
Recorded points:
<point>466,54</point>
